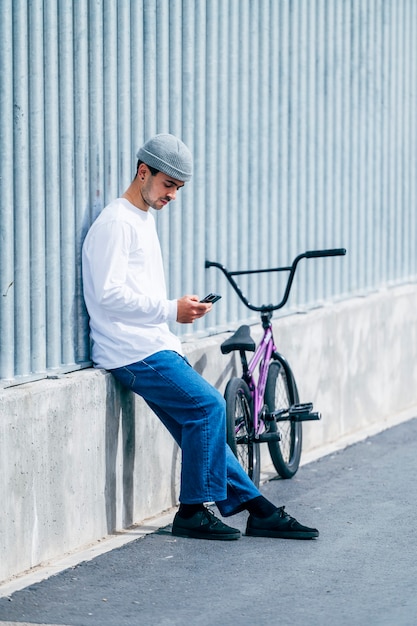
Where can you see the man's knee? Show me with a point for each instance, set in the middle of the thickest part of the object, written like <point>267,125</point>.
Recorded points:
<point>216,399</point>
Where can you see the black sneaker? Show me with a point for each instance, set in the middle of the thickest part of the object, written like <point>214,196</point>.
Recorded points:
<point>203,525</point>
<point>280,525</point>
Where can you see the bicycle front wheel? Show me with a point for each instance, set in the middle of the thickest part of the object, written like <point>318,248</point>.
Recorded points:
<point>280,393</point>
<point>239,427</point>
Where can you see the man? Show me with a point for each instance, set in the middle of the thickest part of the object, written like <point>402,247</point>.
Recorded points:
<point>125,293</point>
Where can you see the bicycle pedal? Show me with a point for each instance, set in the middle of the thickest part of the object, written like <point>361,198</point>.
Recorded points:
<point>305,417</point>
<point>265,437</point>
<point>298,409</point>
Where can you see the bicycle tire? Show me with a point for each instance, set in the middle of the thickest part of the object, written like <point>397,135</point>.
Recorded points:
<point>239,428</point>
<point>280,393</point>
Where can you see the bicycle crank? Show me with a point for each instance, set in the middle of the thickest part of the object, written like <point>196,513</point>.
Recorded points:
<point>267,437</point>
<point>264,437</point>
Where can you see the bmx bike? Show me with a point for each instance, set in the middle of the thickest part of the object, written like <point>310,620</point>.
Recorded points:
<point>265,408</point>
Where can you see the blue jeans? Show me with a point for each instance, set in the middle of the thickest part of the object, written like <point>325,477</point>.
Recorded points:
<point>194,413</point>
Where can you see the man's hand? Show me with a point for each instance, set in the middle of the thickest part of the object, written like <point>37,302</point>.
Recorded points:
<point>191,309</point>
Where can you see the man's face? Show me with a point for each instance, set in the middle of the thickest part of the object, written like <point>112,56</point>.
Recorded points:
<point>160,189</point>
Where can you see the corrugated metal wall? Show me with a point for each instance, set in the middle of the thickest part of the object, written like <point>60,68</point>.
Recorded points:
<point>301,115</point>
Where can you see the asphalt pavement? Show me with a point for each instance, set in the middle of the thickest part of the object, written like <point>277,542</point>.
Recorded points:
<point>362,570</point>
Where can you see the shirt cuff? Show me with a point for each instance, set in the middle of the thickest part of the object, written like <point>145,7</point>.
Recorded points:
<point>172,310</point>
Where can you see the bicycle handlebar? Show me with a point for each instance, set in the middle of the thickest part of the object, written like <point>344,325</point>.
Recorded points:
<point>318,253</point>
<point>310,254</point>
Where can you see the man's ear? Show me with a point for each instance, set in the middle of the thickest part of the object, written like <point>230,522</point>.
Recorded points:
<point>143,170</point>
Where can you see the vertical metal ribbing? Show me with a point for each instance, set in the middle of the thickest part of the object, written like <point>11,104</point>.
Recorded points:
<point>372,157</point>
<point>408,125</point>
<point>331,148</point>
<point>299,68</point>
<point>398,171</point>
<point>219,138</point>
<point>124,86</point>
<point>284,203</point>
<point>192,253</point>
<point>340,204</point>
<point>253,166</point>
<point>362,138</point>
<point>297,139</point>
<point>65,156</point>
<point>110,99</point>
<point>354,142</point>
<point>293,143</point>
<point>82,205</point>
<point>210,126</point>
<point>316,204</point>
<point>272,94</point>
<point>52,223</point>
<point>384,131</point>
<point>311,207</point>
<point>21,200</point>
<point>269,59</point>
<point>36,190</point>
<point>345,188</point>
<point>392,155</point>
<point>331,155</point>
<point>404,131</point>
<point>7,276</point>
<point>411,19</point>
<point>96,107</point>
<point>167,24</point>
<point>156,56</point>
<point>149,53</point>
<point>230,249</point>
<point>400,139</point>
<point>172,90</point>
<point>362,173</point>
<point>263,232</point>
<point>194,203</point>
<point>136,46</point>
<point>244,201</point>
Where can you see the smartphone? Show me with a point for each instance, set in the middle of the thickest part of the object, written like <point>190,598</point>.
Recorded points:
<point>211,298</point>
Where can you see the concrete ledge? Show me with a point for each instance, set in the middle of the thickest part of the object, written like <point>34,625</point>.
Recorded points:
<point>81,458</point>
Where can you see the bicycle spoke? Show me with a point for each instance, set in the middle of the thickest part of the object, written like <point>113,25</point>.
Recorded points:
<point>239,427</point>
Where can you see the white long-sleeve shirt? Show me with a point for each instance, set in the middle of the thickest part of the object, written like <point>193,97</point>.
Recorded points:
<point>124,287</point>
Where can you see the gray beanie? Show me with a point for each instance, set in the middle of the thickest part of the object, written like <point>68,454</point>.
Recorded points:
<point>169,155</point>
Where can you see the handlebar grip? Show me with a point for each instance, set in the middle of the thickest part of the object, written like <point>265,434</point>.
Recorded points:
<point>319,253</point>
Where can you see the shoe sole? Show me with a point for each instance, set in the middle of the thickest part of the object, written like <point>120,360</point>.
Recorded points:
<point>193,534</point>
<point>276,534</point>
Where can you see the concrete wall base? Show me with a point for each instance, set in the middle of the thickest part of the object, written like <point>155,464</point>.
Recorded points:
<point>82,458</point>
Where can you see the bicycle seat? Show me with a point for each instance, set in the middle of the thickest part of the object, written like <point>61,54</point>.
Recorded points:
<point>240,340</point>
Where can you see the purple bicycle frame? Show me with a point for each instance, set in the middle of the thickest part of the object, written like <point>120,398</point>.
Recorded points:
<point>262,357</point>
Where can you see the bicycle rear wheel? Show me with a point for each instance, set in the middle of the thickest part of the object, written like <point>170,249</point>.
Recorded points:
<point>239,427</point>
<point>280,393</point>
